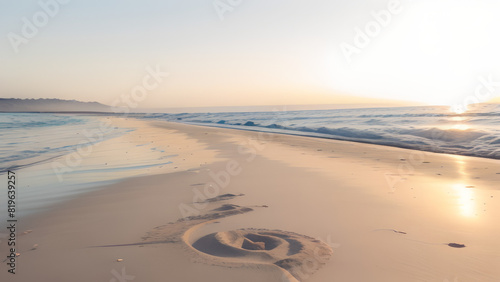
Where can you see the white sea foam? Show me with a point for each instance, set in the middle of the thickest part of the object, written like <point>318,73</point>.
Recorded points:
<point>435,129</point>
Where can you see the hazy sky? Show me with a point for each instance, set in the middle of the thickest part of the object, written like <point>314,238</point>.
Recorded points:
<point>242,52</point>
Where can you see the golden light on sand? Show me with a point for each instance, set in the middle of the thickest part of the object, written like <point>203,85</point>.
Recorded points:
<point>465,198</point>
<point>464,193</point>
<point>460,160</point>
<point>461,168</point>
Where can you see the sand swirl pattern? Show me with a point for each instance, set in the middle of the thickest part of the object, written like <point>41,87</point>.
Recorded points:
<point>297,256</point>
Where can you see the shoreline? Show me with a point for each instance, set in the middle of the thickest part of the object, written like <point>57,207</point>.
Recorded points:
<point>132,149</point>
<point>255,128</point>
<point>335,191</point>
<point>324,136</point>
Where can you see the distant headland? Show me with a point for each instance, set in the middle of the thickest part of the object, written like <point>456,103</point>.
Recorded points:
<point>12,105</point>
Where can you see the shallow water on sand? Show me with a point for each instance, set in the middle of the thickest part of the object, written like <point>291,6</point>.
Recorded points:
<point>57,156</point>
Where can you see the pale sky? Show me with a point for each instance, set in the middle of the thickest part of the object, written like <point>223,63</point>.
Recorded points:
<point>259,52</point>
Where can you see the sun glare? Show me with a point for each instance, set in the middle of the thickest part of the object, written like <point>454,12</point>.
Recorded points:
<point>465,200</point>
<point>458,109</point>
<point>460,126</point>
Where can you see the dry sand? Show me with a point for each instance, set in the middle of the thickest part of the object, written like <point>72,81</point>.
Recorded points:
<point>248,206</point>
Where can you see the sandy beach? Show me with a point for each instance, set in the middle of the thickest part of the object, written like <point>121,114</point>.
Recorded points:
<point>250,206</point>
<point>250,141</point>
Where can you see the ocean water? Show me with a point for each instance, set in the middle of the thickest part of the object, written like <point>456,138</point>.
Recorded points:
<point>27,139</point>
<point>428,128</point>
<point>57,156</point>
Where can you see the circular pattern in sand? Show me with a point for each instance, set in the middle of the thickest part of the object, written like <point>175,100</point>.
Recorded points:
<point>297,254</point>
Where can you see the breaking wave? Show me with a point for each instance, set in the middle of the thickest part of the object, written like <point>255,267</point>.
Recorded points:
<point>433,128</point>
